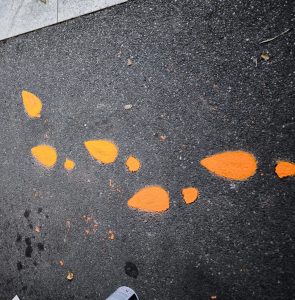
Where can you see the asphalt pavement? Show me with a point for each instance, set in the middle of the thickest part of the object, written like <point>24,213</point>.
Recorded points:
<point>169,82</point>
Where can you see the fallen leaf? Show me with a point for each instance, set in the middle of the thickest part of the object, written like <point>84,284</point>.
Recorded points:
<point>129,62</point>
<point>128,106</point>
<point>111,235</point>
<point>265,56</point>
<point>61,263</point>
<point>163,137</point>
<point>37,229</point>
<point>70,276</point>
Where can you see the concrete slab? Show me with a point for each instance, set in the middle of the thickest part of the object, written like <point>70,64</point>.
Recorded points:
<point>17,17</point>
<point>21,16</point>
<point>68,9</point>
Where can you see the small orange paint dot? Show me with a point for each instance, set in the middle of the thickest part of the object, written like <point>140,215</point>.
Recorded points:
<point>285,169</point>
<point>69,164</point>
<point>150,199</point>
<point>190,194</point>
<point>133,164</point>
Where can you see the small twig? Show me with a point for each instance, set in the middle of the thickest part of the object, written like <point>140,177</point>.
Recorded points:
<point>275,37</point>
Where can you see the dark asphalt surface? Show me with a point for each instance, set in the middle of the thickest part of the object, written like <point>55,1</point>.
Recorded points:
<point>194,79</point>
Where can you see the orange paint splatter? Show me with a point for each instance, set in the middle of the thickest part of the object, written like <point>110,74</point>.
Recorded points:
<point>236,165</point>
<point>111,235</point>
<point>32,104</point>
<point>69,164</point>
<point>150,199</point>
<point>45,155</point>
<point>133,164</point>
<point>285,169</point>
<point>105,152</point>
<point>190,194</point>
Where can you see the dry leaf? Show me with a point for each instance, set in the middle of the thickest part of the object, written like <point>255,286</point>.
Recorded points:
<point>61,263</point>
<point>111,235</point>
<point>70,276</point>
<point>129,62</point>
<point>128,106</point>
<point>265,56</point>
<point>163,137</point>
<point>37,229</point>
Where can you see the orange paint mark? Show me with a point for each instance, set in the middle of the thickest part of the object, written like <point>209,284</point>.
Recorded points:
<point>150,199</point>
<point>285,169</point>
<point>236,165</point>
<point>133,164</point>
<point>32,104</point>
<point>111,235</point>
<point>190,194</point>
<point>105,152</point>
<point>69,164</point>
<point>45,155</point>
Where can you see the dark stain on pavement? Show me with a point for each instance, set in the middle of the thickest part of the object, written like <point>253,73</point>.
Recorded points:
<point>40,246</point>
<point>19,265</point>
<point>131,269</point>
<point>27,213</point>
<point>29,248</point>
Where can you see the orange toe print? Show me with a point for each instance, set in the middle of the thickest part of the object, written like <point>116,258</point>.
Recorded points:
<point>105,152</point>
<point>32,104</point>
<point>150,199</point>
<point>69,164</point>
<point>190,194</point>
<point>133,164</point>
<point>45,155</point>
<point>285,169</point>
<point>236,165</point>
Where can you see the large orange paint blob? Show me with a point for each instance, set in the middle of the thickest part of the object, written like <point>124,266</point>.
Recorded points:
<point>190,194</point>
<point>150,199</point>
<point>285,169</point>
<point>133,164</point>
<point>103,151</point>
<point>45,155</point>
<point>236,165</point>
<point>32,104</point>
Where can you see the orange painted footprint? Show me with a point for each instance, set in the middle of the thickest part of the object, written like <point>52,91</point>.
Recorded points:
<point>233,165</point>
